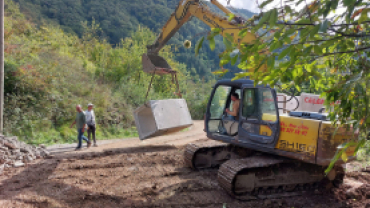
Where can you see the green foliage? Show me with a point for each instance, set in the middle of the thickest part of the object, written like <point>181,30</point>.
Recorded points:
<point>118,19</point>
<point>317,47</point>
<point>49,71</point>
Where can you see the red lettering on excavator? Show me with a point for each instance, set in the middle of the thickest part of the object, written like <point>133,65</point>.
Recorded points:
<point>282,124</point>
<point>296,129</point>
<point>314,101</point>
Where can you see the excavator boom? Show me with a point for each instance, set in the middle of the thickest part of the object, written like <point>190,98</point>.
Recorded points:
<point>152,63</point>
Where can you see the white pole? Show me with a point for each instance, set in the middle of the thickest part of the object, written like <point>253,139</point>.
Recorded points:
<point>1,66</point>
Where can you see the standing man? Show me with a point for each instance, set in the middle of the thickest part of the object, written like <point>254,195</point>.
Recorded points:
<point>81,123</point>
<point>90,120</point>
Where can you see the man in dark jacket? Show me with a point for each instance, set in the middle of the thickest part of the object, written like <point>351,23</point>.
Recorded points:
<point>80,124</point>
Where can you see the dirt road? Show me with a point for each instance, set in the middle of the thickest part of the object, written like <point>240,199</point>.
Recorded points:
<point>151,173</point>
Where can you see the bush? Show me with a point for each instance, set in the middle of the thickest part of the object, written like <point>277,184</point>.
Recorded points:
<point>48,72</point>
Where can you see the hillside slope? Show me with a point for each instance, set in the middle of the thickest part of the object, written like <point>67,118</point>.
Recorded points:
<point>48,72</point>
<point>119,18</point>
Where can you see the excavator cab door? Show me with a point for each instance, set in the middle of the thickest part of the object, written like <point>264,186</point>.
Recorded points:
<point>259,116</point>
<point>216,108</point>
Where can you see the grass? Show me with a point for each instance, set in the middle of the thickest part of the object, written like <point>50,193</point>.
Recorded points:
<point>363,155</point>
<point>186,129</point>
<point>66,135</point>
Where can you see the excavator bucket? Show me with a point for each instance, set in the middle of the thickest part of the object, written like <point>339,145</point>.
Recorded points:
<point>155,64</point>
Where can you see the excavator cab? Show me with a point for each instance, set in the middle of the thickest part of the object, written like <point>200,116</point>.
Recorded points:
<point>258,120</point>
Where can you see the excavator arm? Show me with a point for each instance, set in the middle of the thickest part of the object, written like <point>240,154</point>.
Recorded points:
<point>188,8</point>
<point>152,63</point>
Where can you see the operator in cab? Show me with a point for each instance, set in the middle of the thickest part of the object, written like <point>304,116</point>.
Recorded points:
<point>235,110</point>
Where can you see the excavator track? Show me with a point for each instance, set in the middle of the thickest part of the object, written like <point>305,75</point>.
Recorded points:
<point>200,155</point>
<point>268,176</point>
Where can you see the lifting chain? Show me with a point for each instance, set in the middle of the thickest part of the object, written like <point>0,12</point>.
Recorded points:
<point>174,81</point>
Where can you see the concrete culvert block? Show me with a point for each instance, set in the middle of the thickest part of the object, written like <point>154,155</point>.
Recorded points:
<point>159,117</point>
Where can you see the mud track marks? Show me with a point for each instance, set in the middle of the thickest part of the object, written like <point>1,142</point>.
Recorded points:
<point>141,177</point>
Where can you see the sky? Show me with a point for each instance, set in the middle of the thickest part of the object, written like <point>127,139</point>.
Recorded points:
<point>251,5</point>
<point>244,4</point>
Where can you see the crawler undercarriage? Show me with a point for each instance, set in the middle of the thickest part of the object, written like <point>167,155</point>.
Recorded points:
<point>247,174</point>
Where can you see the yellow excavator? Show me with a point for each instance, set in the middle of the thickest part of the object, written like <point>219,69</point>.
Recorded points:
<point>260,152</point>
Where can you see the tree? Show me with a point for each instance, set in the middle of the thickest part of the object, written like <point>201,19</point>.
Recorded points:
<point>325,44</point>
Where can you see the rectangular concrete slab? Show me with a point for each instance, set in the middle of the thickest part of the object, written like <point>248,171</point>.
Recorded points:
<point>292,104</point>
<point>159,117</point>
<point>311,102</point>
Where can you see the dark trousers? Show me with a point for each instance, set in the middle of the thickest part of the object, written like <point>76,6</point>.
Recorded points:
<point>81,137</point>
<point>90,131</point>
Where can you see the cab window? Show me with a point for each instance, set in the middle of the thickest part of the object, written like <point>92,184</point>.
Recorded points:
<point>258,103</point>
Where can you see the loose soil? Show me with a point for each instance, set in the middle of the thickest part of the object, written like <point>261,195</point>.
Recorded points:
<point>149,173</point>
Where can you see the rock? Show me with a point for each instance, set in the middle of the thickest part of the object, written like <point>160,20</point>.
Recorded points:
<point>352,192</point>
<point>44,153</point>
<point>3,159</point>
<point>267,202</point>
<point>366,169</point>
<point>10,145</point>
<point>2,169</point>
<point>20,157</point>
<point>27,159</point>
<point>37,153</point>
<point>279,202</point>
<point>12,157</point>
<point>9,162</point>
<point>16,152</point>
<point>18,164</point>
<point>12,138</point>
<point>26,150</point>
<point>49,157</point>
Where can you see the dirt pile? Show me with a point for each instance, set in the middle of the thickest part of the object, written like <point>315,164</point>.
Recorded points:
<point>15,153</point>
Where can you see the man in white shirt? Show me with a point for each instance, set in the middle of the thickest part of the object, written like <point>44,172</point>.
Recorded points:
<point>90,121</point>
